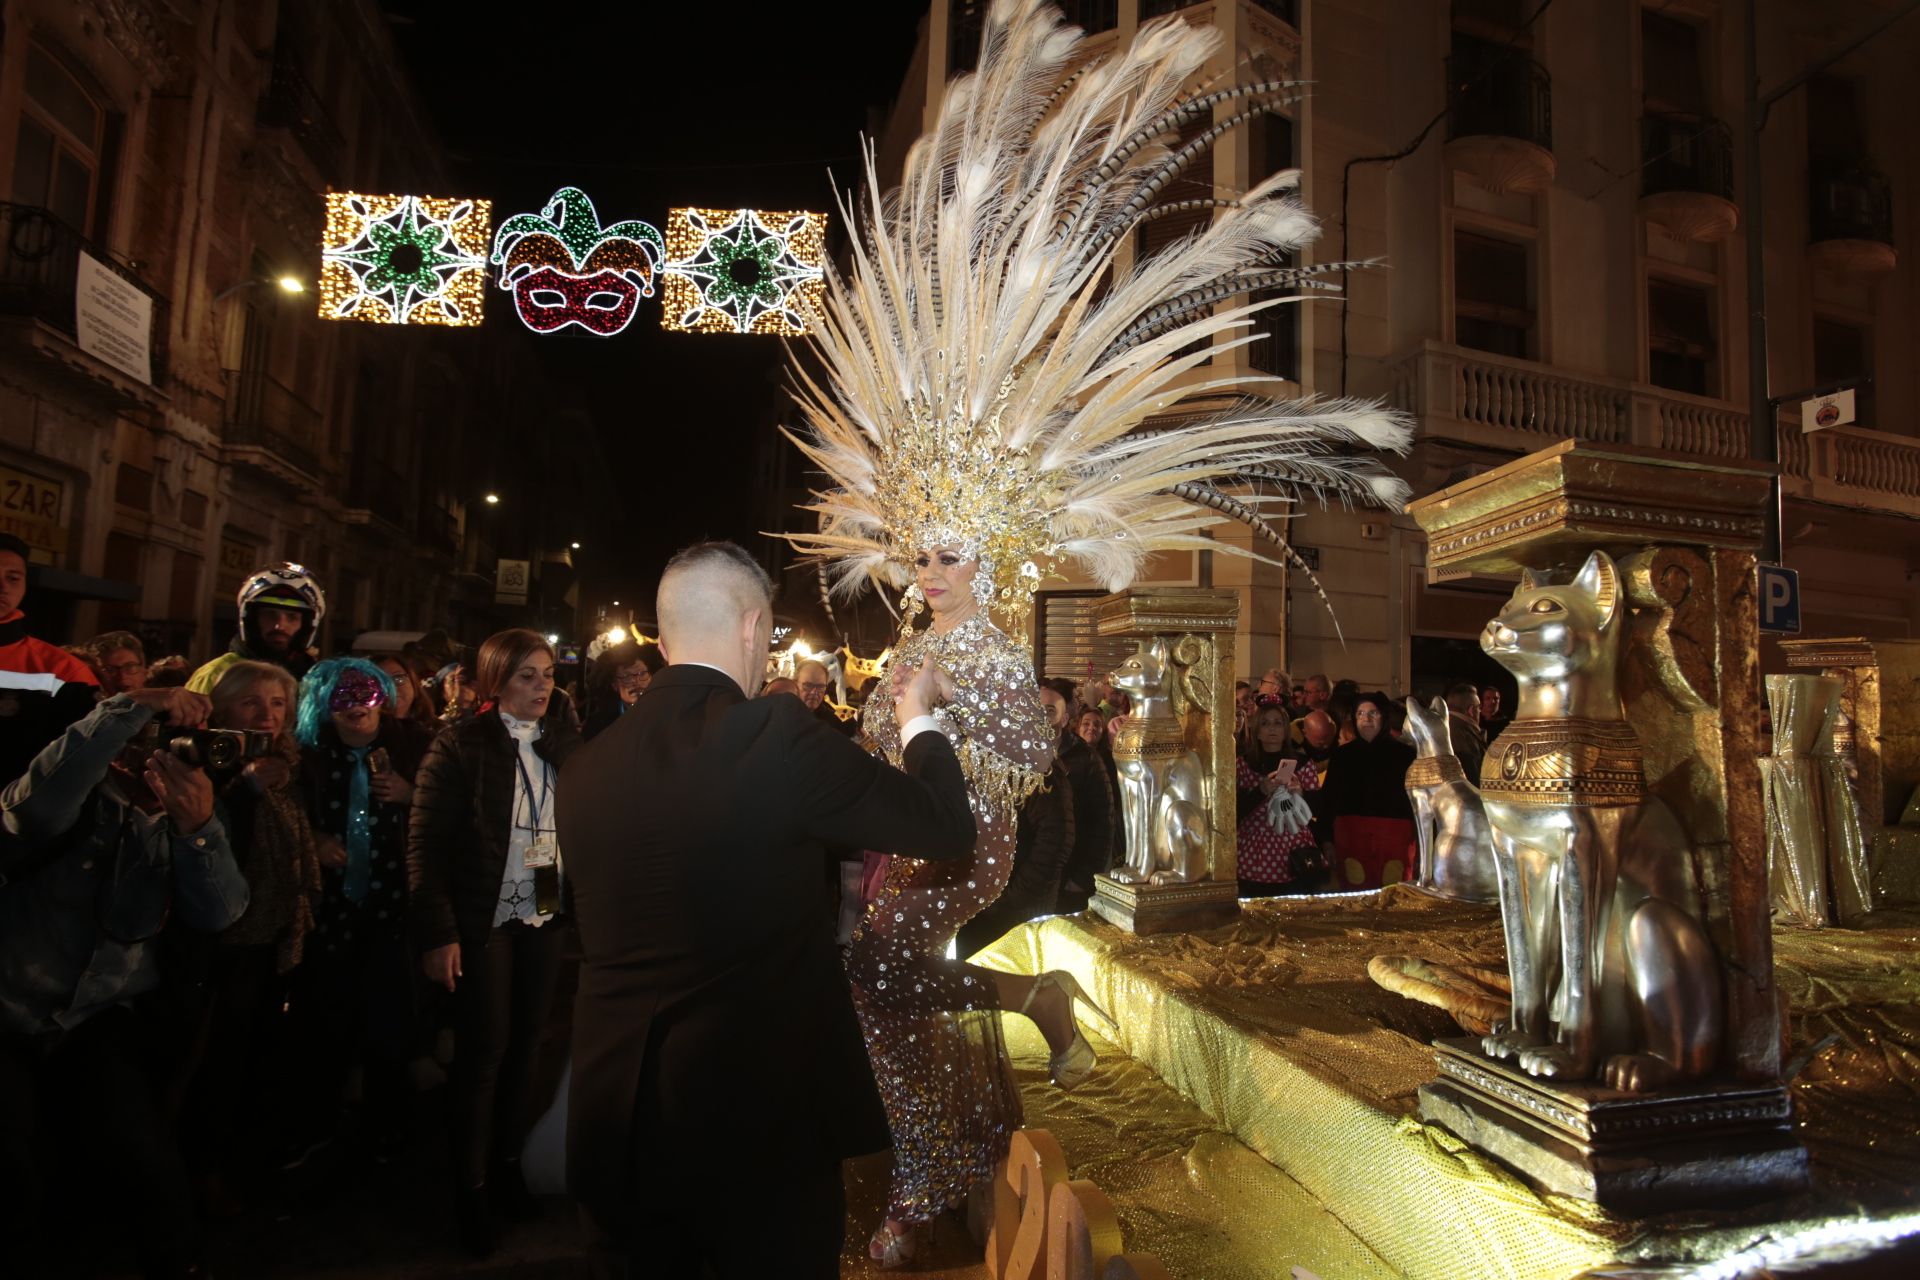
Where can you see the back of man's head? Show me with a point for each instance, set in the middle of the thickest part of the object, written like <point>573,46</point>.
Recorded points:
<point>706,591</point>
<point>1463,700</point>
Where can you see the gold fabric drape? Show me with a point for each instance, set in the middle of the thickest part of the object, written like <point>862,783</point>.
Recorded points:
<point>1816,852</point>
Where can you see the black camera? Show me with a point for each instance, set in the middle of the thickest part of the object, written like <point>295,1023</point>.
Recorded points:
<point>215,750</point>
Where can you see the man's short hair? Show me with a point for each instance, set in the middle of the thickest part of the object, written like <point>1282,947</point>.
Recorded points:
<point>800,667</point>
<point>1238,685</point>
<point>729,583</point>
<point>112,642</point>
<point>1324,682</point>
<point>10,543</point>
<point>1462,696</point>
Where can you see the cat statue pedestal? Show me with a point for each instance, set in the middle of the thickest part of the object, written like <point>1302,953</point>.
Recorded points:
<point>1175,757</point>
<point>1641,1065</point>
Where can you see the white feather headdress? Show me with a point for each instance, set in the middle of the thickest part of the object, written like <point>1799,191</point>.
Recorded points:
<point>991,378</point>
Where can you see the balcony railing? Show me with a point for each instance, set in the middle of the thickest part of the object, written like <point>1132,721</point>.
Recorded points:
<point>39,272</point>
<point>1499,92</point>
<point>1517,405</point>
<point>1849,200</point>
<point>1686,153</point>
<point>292,103</point>
<point>381,491</point>
<point>265,415</point>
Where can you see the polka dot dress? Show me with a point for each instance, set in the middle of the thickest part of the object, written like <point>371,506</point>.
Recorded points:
<point>338,921</point>
<point>932,1024</point>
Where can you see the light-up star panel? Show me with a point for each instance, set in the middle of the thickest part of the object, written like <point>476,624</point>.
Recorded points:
<point>563,268</point>
<point>404,259</point>
<point>743,270</point>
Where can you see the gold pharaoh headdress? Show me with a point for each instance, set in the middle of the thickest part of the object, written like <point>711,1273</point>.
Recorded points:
<point>992,377</point>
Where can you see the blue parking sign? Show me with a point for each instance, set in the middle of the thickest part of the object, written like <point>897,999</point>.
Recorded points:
<point>1779,599</point>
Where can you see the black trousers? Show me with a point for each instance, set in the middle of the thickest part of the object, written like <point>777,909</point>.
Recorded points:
<point>499,1005</point>
<point>355,999</point>
<point>229,1126</point>
<point>85,1153</point>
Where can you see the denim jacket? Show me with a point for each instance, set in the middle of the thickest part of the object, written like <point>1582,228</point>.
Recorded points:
<point>78,933</point>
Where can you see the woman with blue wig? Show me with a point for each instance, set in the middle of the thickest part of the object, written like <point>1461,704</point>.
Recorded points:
<point>354,1000</point>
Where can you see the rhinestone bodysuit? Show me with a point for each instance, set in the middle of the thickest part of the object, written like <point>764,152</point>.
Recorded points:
<point>932,1024</point>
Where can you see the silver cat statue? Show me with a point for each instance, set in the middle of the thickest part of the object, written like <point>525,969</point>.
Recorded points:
<point>1614,976</point>
<point>1163,785</point>
<point>1456,846</point>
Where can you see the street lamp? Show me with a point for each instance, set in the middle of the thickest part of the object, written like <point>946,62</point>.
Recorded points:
<point>576,546</point>
<point>291,284</point>
<point>493,499</point>
<point>287,283</point>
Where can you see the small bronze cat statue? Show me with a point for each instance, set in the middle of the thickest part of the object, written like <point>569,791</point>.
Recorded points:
<point>1163,785</point>
<point>1456,849</point>
<point>1614,976</point>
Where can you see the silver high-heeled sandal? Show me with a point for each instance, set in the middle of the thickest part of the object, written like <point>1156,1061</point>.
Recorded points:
<point>893,1247</point>
<point>1070,1067</point>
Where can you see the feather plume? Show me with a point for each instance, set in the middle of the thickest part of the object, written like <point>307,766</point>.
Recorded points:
<point>989,377</point>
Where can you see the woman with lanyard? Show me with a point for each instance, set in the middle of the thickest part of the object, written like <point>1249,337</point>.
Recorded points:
<point>484,878</point>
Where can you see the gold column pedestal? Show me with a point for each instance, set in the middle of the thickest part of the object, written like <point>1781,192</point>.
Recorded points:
<point>1684,534</point>
<point>1881,707</point>
<point>1198,625</point>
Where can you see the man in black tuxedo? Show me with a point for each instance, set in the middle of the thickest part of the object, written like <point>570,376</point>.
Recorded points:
<point>719,1076</point>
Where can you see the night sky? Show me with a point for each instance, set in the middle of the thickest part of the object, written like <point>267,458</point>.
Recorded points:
<point>645,106</point>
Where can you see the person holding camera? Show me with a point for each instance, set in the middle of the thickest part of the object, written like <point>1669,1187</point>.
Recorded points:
<point>90,881</point>
<point>356,997</point>
<point>484,883</point>
<point>244,970</point>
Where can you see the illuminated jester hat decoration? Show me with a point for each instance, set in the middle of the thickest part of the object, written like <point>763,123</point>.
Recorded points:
<point>563,267</point>
<point>995,382</point>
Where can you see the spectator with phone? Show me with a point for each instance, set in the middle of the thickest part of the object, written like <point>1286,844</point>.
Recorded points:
<point>355,999</point>
<point>1277,851</point>
<point>91,882</point>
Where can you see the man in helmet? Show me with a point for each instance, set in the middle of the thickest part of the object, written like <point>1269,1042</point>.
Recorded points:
<point>280,612</point>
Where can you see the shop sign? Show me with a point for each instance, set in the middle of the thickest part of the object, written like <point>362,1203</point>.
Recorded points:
<point>237,559</point>
<point>30,510</point>
<point>510,581</point>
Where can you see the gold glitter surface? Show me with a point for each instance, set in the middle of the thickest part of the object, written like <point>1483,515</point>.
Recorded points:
<point>1271,1028</point>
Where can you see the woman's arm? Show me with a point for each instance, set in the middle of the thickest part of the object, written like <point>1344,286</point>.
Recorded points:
<point>437,826</point>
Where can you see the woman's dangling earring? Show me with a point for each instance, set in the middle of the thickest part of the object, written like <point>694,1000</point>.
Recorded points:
<point>912,603</point>
<point>983,584</point>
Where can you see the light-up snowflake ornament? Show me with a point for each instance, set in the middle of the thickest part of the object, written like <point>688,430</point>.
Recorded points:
<point>743,270</point>
<point>404,259</point>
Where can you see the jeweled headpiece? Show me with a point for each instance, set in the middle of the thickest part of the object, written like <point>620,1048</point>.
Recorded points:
<point>994,381</point>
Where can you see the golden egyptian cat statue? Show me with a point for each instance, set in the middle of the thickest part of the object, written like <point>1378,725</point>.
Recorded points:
<point>1614,975</point>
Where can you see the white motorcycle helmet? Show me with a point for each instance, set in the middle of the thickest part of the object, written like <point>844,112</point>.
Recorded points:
<point>283,586</point>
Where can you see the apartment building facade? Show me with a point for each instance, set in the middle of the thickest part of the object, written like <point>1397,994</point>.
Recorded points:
<point>166,163</point>
<point>1555,191</point>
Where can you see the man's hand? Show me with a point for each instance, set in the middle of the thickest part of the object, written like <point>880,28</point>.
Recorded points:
<point>391,788</point>
<point>442,965</point>
<point>182,709</point>
<point>183,791</point>
<point>330,851</point>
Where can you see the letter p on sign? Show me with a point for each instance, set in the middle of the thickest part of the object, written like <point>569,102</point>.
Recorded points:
<point>1779,599</point>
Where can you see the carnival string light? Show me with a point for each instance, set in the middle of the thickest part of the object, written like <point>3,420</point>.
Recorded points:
<point>563,268</point>
<point>394,259</point>
<point>743,270</point>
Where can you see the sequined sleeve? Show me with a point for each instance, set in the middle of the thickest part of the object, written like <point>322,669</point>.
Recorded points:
<point>997,722</point>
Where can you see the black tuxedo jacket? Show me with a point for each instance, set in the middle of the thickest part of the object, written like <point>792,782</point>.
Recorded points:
<point>713,1027</point>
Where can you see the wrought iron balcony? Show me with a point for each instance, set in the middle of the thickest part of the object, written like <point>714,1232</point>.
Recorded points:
<point>273,430</point>
<point>1686,153</point>
<point>1499,93</point>
<point>40,271</point>
<point>292,103</point>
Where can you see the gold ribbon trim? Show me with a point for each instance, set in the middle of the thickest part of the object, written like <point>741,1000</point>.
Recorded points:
<point>1433,771</point>
<point>1587,763</point>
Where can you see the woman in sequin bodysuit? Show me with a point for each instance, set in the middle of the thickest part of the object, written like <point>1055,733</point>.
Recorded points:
<point>932,1023</point>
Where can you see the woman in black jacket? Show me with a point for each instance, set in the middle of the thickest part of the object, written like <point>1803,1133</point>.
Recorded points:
<point>484,878</point>
<point>1365,796</point>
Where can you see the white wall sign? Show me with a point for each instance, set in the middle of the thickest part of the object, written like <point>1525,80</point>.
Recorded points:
<point>510,581</point>
<point>1835,410</point>
<point>113,320</point>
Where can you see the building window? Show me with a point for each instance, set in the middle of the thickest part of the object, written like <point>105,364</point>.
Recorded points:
<point>133,487</point>
<point>122,564</point>
<point>1670,65</point>
<point>1841,352</point>
<point>57,159</point>
<point>1493,307</point>
<point>1270,149</point>
<point>193,509</point>
<point>1683,351</point>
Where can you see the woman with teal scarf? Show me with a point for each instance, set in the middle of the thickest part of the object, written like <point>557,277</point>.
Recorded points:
<point>356,997</point>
